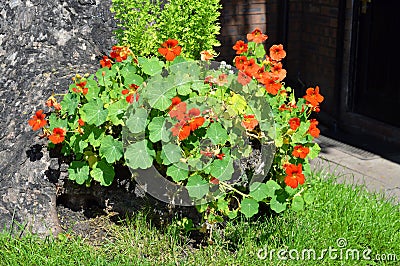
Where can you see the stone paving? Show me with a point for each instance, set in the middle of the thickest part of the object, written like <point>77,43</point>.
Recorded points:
<point>375,172</point>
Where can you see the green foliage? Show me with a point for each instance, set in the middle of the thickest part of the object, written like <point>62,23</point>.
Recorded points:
<point>145,25</point>
<point>195,124</point>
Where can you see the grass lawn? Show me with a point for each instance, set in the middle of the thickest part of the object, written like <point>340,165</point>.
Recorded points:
<point>345,225</point>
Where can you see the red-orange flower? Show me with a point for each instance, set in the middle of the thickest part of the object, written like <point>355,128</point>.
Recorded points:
<point>294,175</point>
<point>278,71</point>
<point>276,52</point>
<point>184,132</point>
<point>256,36</point>
<point>57,136</point>
<point>300,151</point>
<point>81,122</point>
<point>120,53</point>
<point>38,120</point>
<point>220,156</point>
<point>170,49</point>
<point>294,123</point>
<point>313,97</point>
<point>214,180</point>
<point>196,122</point>
<point>249,122</point>
<point>80,88</point>
<point>106,62</point>
<point>206,55</point>
<point>313,130</point>
<point>240,47</point>
<point>131,93</point>
<point>240,62</point>
<point>272,86</point>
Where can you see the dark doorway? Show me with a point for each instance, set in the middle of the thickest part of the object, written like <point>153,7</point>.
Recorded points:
<point>377,69</point>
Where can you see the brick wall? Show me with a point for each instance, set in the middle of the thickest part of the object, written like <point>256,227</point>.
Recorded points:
<point>312,37</point>
<point>239,17</point>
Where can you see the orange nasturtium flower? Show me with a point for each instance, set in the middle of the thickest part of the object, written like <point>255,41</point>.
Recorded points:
<point>256,36</point>
<point>120,53</point>
<point>276,52</point>
<point>294,123</point>
<point>38,120</point>
<point>106,62</point>
<point>249,122</point>
<point>300,151</point>
<point>170,49</point>
<point>240,47</point>
<point>294,175</point>
<point>206,55</point>
<point>313,97</point>
<point>313,130</point>
<point>57,136</point>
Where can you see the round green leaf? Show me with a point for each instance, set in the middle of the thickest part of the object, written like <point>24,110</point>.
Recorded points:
<point>103,173</point>
<point>94,113</point>
<point>277,206</point>
<point>171,153</point>
<point>217,134</point>
<point>111,149</point>
<point>197,187</point>
<point>178,172</point>
<point>138,155</point>
<point>137,121</point>
<point>298,203</point>
<point>157,130</point>
<point>249,207</point>
<point>78,171</point>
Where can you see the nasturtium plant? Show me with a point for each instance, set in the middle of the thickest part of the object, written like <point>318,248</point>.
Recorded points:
<point>223,138</point>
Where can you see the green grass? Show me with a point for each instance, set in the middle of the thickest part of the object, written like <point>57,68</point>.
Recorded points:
<point>364,220</point>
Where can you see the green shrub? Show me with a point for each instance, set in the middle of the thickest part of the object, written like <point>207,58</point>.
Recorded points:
<point>144,25</point>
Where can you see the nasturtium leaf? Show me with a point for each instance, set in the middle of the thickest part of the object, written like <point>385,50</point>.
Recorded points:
<point>103,173</point>
<point>171,153</point>
<point>93,88</point>
<point>232,214</point>
<point>217,134</point>
<point>157,130</point>
<point>277,206</point>
<point>259,191</point>
<point>237,105</point>
<point>299,135</point>
<point>54,122</point>
<point>260,51</point>
<point>137,121</point>
<point>132,79</point>
<point>222,169</point>
<point>248,207</point>
<point>178,171</point>
<point>138,155</point>
<point>308,197</point>
<point>116,112</point>
<point>290,191</point>
<point>77,143</point>
<point>94,113</point>
<point>104,75</point>
<point>69,103</point>
<point>78,171</point>
<point>184,89</point>
<point>197,186</point>
<point>111,149</point>
<point>271,187</point>
<point>314,151</point>
<point>298,203</point>
<point>150,66</point>
<point>94,135</point>
<point>159,94</point>
<point>200,87</point>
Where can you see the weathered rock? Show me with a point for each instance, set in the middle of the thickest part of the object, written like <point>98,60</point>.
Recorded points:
<point>43,44</point>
